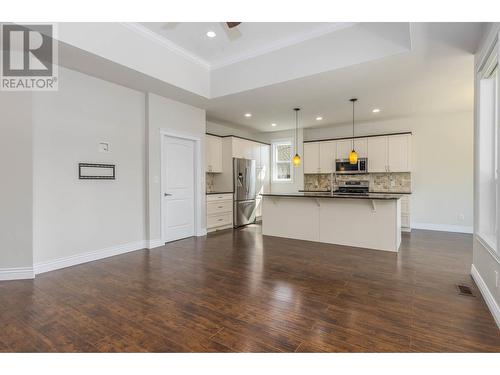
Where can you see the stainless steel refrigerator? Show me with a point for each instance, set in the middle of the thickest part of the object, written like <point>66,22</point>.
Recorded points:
<point>244,181</point>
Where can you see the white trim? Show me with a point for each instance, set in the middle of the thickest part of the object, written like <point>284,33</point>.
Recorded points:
<point>198,190</point>
<point>443,227</point>
<point>274,143</point>
<point>488,248</point>
<point>16,273</point>
<point>151,244</point>
<point>166,43</point>
<point>488,297</point>
<point>336,26</point>
<point>90,256</point>
<point>181,51</point>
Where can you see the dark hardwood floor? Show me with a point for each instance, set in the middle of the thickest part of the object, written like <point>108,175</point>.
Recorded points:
<point>244,292</point>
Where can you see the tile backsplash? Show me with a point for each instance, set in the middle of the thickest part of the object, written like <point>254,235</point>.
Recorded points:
<point>210,182</point>
<point>380,182</point>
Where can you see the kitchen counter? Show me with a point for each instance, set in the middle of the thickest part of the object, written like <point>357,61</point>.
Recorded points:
<point>378,196</point>
<point>373,192</point>
<point>371,221</point>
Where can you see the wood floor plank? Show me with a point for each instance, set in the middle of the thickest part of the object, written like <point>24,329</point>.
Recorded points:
<point>239,291</point>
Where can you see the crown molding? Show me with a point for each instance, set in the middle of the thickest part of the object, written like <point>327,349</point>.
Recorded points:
<point>164,42</point>
<point>282,44</point>
<point>173,47</point>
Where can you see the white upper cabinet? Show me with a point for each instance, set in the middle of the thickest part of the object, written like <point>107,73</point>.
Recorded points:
<point>389,153</point>
<point>256,154</point>
<point>242,148</point>
<point>399,153</point>
<point>377,154</point>
<point>311,157</point>
<point>265,157</point>
<point>213,154</point>
<point>327,152</point>
<point>361,147</point>
<point>344,148</point>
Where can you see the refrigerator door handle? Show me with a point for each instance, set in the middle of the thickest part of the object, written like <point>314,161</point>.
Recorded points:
<point>246,180</point>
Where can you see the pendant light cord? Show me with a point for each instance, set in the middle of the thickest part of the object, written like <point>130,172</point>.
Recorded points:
<point>296,130</point>
<point>352,140</point>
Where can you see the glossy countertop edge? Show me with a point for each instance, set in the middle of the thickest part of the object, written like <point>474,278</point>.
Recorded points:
<point>219,192</point>
<point>371,192</point>
<point>334,196</point>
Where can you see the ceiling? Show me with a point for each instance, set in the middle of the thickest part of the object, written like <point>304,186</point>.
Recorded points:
<point>247,40</point>
<point>435,77</point>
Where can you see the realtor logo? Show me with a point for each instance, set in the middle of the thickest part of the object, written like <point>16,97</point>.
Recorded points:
<point>29,57</point>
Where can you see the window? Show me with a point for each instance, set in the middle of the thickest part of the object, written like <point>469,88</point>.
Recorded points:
<point>488,186</point>
<point>282,161</point>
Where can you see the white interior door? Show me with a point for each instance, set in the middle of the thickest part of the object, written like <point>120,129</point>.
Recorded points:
<point>178,188</point>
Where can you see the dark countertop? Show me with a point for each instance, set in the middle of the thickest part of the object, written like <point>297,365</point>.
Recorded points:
<point>384,196</point>
<point>371,192</point>
<point>219,192</point>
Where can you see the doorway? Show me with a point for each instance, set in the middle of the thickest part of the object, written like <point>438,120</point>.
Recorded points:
<point>178,188</point>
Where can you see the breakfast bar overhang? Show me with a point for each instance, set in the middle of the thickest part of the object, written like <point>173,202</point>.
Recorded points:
<point>371,221</point>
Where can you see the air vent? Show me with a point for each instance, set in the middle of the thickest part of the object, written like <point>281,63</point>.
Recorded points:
<point>465,290</point>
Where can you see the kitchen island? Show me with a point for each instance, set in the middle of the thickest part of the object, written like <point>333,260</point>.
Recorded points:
<point>370,220</point>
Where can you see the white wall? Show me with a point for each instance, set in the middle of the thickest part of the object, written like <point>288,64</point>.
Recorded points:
<point>182,120</point>
<point>16,186</point>
<point>72,216</point>
<point>485,263</point>
<point>442,167</point>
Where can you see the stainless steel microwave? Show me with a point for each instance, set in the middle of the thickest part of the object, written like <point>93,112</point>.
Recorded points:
<point>343,166</point>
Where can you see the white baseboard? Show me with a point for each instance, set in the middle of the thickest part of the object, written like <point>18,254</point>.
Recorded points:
<point>16,273</point>
<point>488,297</point>
<point>151,244</point>
<point>90,256</point>
<point>443,227</point>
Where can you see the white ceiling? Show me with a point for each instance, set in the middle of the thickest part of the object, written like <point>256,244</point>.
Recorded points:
<point>247,40</point>
<point>435,77</point>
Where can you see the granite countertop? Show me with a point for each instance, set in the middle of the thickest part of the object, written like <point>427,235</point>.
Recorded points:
<point>371,192</point>
<point>383,196</point>
<point>219,192</point>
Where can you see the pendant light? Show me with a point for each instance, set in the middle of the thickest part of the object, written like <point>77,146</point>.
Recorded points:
<point>296,158</point>
<point>353,156</point>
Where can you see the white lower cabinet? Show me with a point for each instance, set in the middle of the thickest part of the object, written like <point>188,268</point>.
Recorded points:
<point>219,211</point>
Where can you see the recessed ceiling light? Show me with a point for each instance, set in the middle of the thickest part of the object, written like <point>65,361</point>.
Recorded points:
<point>319,118</point>
<point>211,34</point>
<point>376,110</point>
<point>248,115</point>
<point>273,124</point>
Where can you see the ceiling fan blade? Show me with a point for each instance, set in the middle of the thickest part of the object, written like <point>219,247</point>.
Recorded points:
<point>232,24</point>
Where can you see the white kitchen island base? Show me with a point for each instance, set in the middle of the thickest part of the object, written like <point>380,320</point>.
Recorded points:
<point>360,222</point>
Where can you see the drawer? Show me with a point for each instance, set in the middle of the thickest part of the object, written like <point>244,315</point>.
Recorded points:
<point>219,197</point>
<point>217,207</point>
<point>219,220</point>
<point>405,221</point>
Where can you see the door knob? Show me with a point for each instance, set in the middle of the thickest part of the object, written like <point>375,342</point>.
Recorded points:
<point>167,194</point>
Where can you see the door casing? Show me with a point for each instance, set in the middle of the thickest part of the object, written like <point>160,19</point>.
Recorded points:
<point>199,230</point>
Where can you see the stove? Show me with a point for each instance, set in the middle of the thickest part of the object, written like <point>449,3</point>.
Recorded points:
<point>360,187</point>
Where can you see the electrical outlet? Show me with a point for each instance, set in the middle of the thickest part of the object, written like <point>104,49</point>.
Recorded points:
<point>461,217</point>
